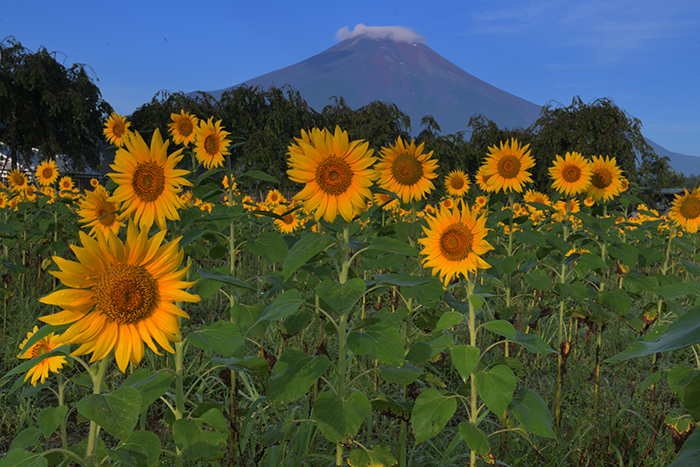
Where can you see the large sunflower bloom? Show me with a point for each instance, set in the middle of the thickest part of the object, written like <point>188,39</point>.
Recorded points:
<point>606,179</point>
<point>149,183</point>
<point>211,144</point>
<point>336,172</point>
<point>183,128</point>
<point>17,179</point>
<point>96,212</point>
<point>121,295</point>
<point>685,211</point>
<point>457,183</point>
<point>47,172</point>
<point>506,166</point>
<point>571,174</point>
<point>454,241</point>
<point>405,170</point>
<point>116,129</point>
<point>40,347</point>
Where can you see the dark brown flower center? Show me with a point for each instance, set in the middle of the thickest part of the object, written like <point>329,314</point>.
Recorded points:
<point>334,175</point>
<point>47,173</point>
<point>126,294</point>
<point>602,178</point>
<point>407,169</point>
<point>40,348</point>
<point>509,166</point>
<point>457,182</point>
<point>105,213</point>
<point>456,242</point>
<point>571,173</point>
<point>148,181</point>
<point>185,127</point>
<point>690,209</point>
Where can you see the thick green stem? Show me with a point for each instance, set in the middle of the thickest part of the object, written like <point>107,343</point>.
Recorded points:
<point>560,338</point>
<point>473,403</point>
<point>179,392</point>
<point>94,427</point>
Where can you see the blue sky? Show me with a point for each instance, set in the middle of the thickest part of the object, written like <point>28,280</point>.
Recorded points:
<point>643,54</point>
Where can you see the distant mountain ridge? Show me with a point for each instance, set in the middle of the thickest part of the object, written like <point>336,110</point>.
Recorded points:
<point>419,81</point>
<point>411,75</point>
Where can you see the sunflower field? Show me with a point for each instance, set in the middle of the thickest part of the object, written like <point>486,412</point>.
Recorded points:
<point>381,315</point>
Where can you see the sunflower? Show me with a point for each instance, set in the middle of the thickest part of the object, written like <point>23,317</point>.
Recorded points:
<point>211,144</point>
<point>3,200</point>
<point>571,174</point>
<point>448,203</point>
<point>290,221</point>
<point>565,208</point>
<point>482,180</point>
<point>385,201</point>
<point>47,172</point>
<point>225,183</point>
<point>40,347</point>
<point>66,184</point>
<point>274,198</point>
<point>481,201</point>
<point>624,184</point>
<point>183,128</point>
<point>116,129</point>
<point>50,192</point>
<point>606,179</point>
<point>506,166</point>
<point>94,182</point>
<point>405,170</point>
<point>685,211</point>
<point>454,241</point>
<point>96,212</point>
<point>121,295</point>
<point>336,172</point>
<point>589,201</point>
<point>30,192</point>
<point>149,183</point>
<point>533,196</point>
<point>457,183</point>
<point>17,179</point>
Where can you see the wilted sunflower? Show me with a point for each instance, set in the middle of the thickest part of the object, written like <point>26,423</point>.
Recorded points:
<point>606,179</point>
<point>40,347</point>
<point>336,172</point>
<point>454,241</point>
<point>571,174</point>
<point>457,183</point>
<point>183,127</point>
<point>506,166</point>
<point>121,295</point>
<point>47,172</point>
<point>17,180</point>
<point>211,144</point>
<point>66,184</point>
<point>405,170</point>
<point>116,129</point>
<point>98,213</point>
<point>685,211</point>
<point>149,183</point>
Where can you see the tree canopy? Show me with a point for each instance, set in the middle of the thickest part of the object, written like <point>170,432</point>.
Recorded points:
<point>48,107</point>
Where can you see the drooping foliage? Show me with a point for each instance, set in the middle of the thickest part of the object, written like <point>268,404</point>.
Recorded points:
<point>48,107</point>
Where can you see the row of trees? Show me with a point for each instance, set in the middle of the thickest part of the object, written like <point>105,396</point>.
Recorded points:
<point>265,121</point>
<point>59,110</point>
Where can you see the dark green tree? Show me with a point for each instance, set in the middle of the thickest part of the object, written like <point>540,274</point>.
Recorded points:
<point>157,113</point>
<point>598,128</point>
<point>46,106</point>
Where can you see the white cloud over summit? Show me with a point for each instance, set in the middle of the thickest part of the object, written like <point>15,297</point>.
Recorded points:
<point>396,33</point>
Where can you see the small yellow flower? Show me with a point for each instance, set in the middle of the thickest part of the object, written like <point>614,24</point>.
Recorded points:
<point>41,370</point>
